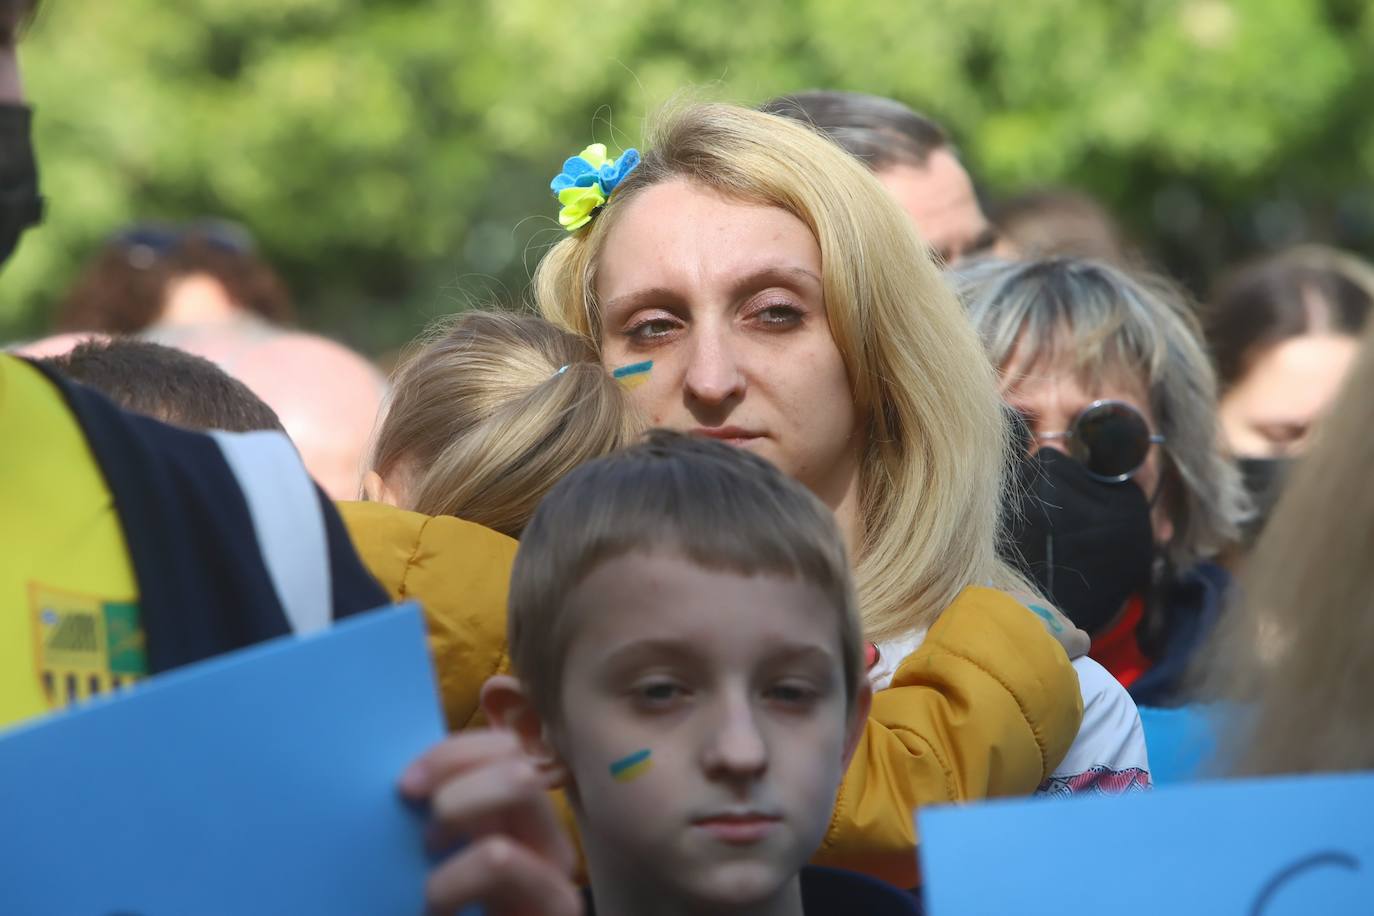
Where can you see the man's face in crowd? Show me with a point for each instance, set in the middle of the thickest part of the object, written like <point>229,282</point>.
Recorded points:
<point>939,198</point>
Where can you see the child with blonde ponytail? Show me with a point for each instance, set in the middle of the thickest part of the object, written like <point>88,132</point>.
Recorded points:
<point>487,414</point>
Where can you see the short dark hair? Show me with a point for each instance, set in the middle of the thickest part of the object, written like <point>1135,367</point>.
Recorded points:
<point>1269,301</point>
<point>15,17</point>
<point>165,383</point>
<point>719,506</point>
<point>879,132</point>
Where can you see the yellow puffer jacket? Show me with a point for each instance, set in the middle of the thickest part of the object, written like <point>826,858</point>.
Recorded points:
<point>459,572</point>
<point>986,706</point>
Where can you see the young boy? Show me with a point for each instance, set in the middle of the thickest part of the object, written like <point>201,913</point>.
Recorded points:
<point>691,671</point>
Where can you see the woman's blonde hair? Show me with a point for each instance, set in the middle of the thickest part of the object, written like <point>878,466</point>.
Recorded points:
<point>490,411</point>
<point>934,442</point>
<point>1298,645</point>
<point>1102,323</point>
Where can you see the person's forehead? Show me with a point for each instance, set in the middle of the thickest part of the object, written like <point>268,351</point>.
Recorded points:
<point>674,232</point>
<point>1295,379</point>
<point>1058,373</point>
<point>664,595</point>
<point>938,196</point>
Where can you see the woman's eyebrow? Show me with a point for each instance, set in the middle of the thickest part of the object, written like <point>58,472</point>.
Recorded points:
<point>640,298</point>
<point>764,276</point>
<point>776,276</point>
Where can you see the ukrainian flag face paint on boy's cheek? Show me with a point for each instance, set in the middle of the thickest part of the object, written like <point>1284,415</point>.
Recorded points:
<point>630,768</point>
<point>633,375</point>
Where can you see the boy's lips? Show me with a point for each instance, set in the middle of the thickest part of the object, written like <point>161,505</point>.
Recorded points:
<point>738,828</point>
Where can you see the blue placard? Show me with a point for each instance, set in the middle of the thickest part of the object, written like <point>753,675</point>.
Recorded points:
<point>259,782</point>
<point>1295,846</point>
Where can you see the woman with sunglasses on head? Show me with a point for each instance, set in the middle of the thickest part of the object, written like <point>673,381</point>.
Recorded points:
<point>1125,491</point>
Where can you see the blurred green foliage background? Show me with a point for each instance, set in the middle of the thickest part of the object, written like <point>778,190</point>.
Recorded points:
<point>392,156</point>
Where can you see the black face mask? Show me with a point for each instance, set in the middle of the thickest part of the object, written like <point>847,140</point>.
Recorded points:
<point>1089,545</point>
<point>20,204</point>
<point>1263,479</point>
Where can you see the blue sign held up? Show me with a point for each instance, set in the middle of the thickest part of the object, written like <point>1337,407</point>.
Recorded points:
<point>1294,846</point>
<point>259,782</point>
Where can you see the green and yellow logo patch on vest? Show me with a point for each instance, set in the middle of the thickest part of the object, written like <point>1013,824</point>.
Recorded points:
<point>84,646</point>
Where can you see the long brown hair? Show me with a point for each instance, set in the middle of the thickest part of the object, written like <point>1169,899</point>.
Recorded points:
<point>1298,645</point>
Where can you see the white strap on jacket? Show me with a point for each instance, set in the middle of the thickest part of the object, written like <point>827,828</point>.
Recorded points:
<point>288,522</point>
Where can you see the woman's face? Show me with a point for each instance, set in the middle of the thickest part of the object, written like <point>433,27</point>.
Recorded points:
<point>1271,410</point>
<point>1050,397</point>
<point>725,298</point>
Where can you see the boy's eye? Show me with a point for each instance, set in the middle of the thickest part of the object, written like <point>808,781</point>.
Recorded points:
<point>791,694</point>
<point>659,693</point>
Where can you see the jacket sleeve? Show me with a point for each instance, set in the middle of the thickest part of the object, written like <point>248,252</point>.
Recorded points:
<point>459,572</point>
<point>987,706</point>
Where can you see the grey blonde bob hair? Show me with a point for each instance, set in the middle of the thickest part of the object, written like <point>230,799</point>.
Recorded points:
<point>1103,323</point>
<point>489,411</point>
<point>933,441</point>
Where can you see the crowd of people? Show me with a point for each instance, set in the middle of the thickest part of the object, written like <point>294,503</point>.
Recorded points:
<point>808,494</point>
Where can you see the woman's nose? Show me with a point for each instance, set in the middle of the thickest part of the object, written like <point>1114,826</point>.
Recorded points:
<point>714,375</point>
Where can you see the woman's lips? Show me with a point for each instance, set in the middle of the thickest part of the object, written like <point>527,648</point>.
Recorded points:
<point>731,435</point>
<point>738,829</point>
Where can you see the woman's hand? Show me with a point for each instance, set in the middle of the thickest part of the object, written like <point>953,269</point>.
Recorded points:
<point>484,792</point>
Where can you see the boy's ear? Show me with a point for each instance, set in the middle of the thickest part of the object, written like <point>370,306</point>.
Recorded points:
<point>508,707</point>
<point>858,719</point>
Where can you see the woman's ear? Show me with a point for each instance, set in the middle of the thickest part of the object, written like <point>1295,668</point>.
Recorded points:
<point>508,707</point>
<point>858,719</point>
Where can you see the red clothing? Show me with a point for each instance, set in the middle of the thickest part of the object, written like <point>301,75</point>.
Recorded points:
<point>1117,648</point>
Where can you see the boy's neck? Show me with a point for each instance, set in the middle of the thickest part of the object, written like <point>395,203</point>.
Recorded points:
<point>614,898</point>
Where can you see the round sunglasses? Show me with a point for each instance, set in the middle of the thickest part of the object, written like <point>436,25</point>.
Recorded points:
<point>1109,438</point>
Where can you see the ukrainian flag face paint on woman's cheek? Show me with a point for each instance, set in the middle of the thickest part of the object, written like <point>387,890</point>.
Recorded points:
<point>633,375</point>
<point>631,767</point>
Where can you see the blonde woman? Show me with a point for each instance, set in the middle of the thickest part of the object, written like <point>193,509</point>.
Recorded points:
<point>783,303</point>
<point>989,702</point>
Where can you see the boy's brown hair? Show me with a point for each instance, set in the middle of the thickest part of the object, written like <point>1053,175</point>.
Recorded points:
<point>166,383</point>
<point>721,507</point>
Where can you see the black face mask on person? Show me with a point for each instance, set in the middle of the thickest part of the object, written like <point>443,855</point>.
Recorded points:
<point>1263,479</point>
<point>20,204</point>
<point>1087,544</point>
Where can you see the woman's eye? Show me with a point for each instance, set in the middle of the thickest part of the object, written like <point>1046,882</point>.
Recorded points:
<point>1284,433</point>
<point>782,315</point>
<point>650,330</point>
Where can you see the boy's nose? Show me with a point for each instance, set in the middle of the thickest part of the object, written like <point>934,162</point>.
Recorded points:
<point>735,748</point>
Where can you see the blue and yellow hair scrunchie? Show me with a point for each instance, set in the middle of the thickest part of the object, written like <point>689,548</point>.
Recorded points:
<point>587,181</point>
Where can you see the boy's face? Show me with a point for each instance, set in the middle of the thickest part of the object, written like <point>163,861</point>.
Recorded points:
<point>734,686</point>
